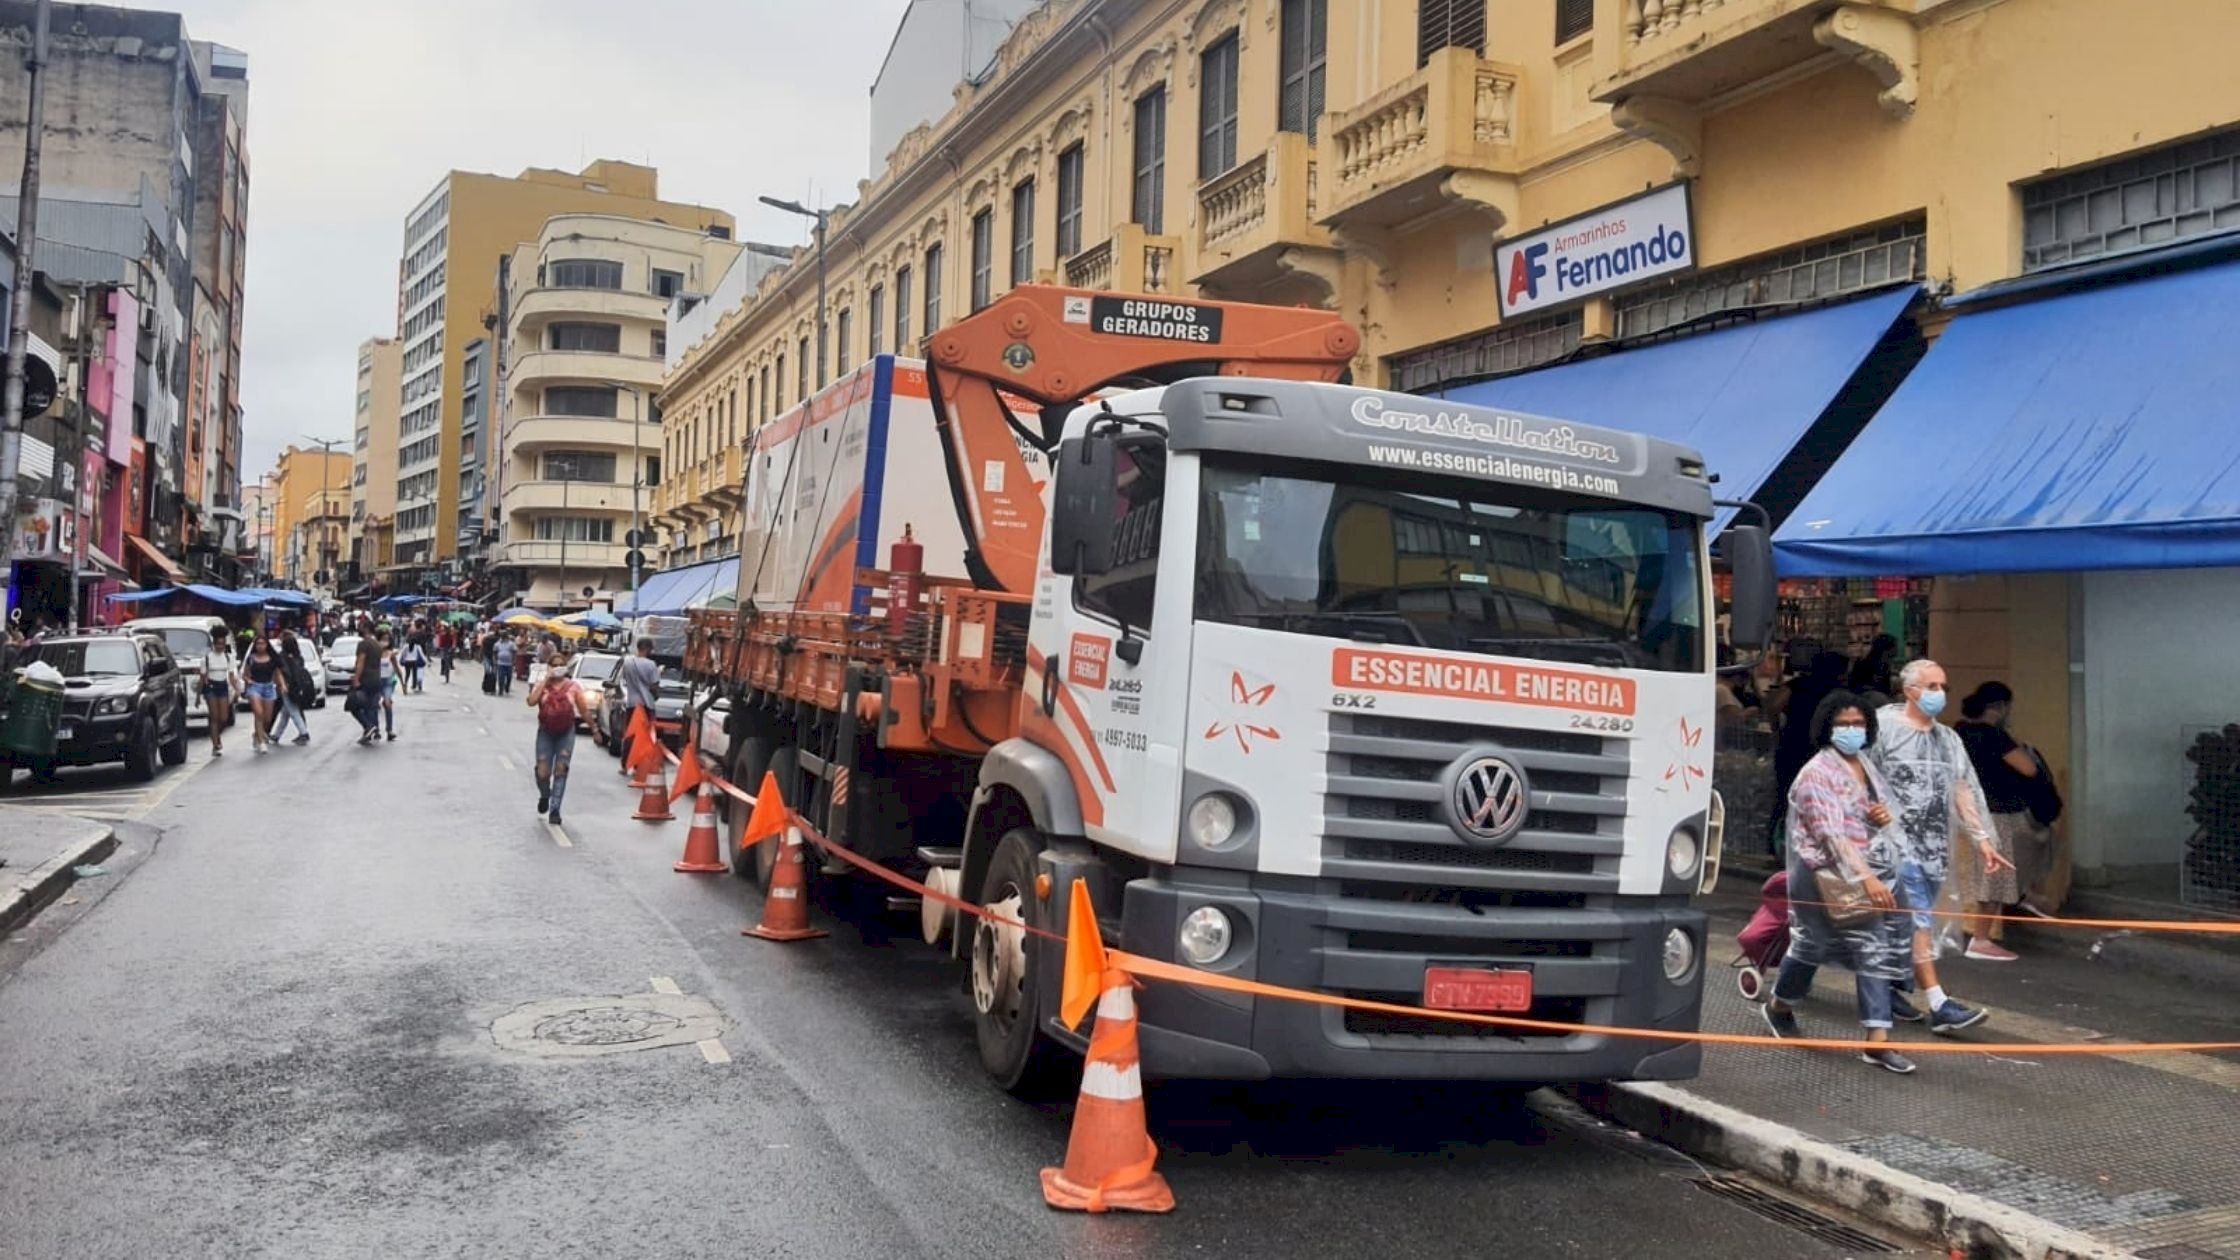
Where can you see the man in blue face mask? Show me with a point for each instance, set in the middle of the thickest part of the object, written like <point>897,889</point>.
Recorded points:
<point>1933,789</point>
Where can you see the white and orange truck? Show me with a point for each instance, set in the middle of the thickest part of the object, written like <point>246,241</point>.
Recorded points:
<point>1329,688</point>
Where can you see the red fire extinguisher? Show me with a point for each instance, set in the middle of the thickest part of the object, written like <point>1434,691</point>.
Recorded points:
<point>906,566</point>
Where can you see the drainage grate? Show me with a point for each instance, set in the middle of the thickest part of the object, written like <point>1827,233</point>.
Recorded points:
<point>2177,1251</point>
<point>1804,1220</point>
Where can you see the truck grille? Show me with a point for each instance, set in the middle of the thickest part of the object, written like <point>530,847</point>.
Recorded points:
<point>1383,821</point>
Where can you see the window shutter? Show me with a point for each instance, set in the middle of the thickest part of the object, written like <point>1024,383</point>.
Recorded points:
<point>1449,24</point>
<point>1573,19</point>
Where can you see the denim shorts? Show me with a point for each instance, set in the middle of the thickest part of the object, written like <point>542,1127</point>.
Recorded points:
<point>1918,893</point>
<point>263,691</point>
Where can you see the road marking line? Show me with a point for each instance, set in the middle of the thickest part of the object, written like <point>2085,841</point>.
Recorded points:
<point>484,729</point>
<point>663,984</point>
<point>559,837</point>
<point>505,761</point>
<point>712,1050</point>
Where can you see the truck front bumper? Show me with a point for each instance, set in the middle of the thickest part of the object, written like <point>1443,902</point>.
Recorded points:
<point>1599,964</point>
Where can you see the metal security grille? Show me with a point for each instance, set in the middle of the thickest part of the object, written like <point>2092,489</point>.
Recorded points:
<point>2179,191</point>
<point>1824,269</point>
<point>1508,348</point>
<point>2210,872</point>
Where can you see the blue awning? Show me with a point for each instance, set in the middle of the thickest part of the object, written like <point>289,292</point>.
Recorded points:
<point>672,591</point>
<point>220,595</point>
<point>134,597</point>
<point>2092,430</point>
<point>1742,396</point>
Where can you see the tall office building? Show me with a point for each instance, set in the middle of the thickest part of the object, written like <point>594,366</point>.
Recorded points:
<point>373,462</point>
<point>453,241</point>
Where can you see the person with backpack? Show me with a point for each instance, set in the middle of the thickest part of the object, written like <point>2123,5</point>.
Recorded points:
<point>414,658</point>
<point>560,704</point>
<point>364,703</point>
<point>297,691</point>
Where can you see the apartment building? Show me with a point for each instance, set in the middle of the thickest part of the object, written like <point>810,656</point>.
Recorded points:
<point>373,457</point>
<point>454,241</point>
<point>588,303</point>
<point>309,501</point>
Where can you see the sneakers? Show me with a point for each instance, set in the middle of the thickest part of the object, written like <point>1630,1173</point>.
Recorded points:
<point>553,818</point>
<point>1780,1023</point>
<point>544,802</point>
<point>1953,1017</point>
<point>304,738</point>
<point>1903,1011</point>
<point>366,738</point>
<point>392,737</point>
<point>1983,949</point>
<point>1886,1059</point>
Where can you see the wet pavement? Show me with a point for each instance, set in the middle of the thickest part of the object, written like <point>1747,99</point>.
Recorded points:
<point>273,1035</point>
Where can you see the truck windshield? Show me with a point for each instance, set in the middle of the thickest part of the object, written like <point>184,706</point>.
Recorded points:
<point>1452,566</point>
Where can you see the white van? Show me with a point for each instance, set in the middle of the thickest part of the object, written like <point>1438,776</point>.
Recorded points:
<point>189,639</point>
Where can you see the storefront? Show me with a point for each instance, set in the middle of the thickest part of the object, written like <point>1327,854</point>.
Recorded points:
<point>2066,463</point>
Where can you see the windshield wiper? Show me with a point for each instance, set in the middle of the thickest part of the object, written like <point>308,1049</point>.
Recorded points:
<point>1303,620</point>
<point>1609,650</point>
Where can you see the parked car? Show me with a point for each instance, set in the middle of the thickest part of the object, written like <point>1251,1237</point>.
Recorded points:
<point>124,699</point>
<point>669,705</point>
<point>593,672</point>
<point>339,659</point>
<point>189,639</point>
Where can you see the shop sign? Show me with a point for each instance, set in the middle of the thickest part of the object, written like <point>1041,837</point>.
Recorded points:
<point>1618,245</point>
<point>40,534</point>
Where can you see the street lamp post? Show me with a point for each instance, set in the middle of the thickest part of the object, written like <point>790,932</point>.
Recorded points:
<point>795,207</point>
<point>326,500</point>
<point>567,474</point>
<point>637,479</point>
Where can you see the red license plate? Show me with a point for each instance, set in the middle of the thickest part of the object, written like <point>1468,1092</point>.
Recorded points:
<point>1476,989</point>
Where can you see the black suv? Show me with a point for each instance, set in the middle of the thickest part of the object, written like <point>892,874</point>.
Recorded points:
<point>124,699</point>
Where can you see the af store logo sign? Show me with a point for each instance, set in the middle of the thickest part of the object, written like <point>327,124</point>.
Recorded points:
<point>1649,235</point>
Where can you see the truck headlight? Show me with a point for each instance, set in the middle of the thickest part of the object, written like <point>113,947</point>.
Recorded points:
<point>1205,936</point>
<point>114,704</point>
<point>1679,955</point>
<point>1212,820</point>
<point>1682,852</point>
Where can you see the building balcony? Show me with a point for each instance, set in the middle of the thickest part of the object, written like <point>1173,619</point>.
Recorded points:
<point>535,307</point>
<point>530,433</point>
<point>1681,54</point>
<point>1255,218</point>
<point>571,497</point>
<point>543,553</point>
<point>1445,134</point>
<point>583,367</point>
<point>1129,261</point>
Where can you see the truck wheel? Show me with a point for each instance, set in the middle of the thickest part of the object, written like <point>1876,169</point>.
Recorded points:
<point>757,753</point>
<point>1008,978</point>
<point>140,754</point>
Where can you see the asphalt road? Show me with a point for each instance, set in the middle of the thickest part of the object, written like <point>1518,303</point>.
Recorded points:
<point>271,1035</point>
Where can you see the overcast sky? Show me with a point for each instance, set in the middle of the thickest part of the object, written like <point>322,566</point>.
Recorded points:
<point>357,108</point>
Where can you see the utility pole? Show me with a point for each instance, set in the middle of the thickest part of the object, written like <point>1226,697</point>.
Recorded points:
<point>637,538</point>
<point>19,305</point>
<point>795,207</point>
<point>326,500</point>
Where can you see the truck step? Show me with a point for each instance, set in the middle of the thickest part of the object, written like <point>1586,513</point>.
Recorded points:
<point>943,858</point>
<point>903,904</point>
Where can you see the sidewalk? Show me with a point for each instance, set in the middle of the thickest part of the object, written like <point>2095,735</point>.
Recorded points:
<point>2134,1154</point>
<point>38,850</point>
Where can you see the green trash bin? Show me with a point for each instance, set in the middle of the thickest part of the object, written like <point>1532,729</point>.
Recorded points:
<point>30,712</point>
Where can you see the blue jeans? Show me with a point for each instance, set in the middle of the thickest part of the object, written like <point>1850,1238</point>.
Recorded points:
<point>554,751</point>
<point>1795,981</point>
<point>1918,893</point>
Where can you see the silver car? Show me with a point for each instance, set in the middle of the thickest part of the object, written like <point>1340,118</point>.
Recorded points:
<point>337,662</point>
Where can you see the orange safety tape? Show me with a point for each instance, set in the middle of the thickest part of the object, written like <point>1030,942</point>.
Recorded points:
<point>1152,969</point>
<point>2135,925</point>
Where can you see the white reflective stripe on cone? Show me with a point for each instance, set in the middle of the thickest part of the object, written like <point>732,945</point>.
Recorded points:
<point>1118,1002</point>
<point>1113,1084</point>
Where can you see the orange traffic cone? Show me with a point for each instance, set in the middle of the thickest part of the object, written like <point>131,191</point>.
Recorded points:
<point>653,803</point>
<point>701,854</point>
<point>785,913</point>
<point>1109,1157</point>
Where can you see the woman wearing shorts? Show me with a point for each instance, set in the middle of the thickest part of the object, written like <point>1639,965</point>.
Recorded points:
<point>263,672</point>
<point>221,682</point>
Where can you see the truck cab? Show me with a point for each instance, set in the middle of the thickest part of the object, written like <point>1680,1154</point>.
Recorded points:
<point>1365,694</point>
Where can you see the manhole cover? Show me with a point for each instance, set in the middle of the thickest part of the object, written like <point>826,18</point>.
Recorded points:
<point>574,1027</point>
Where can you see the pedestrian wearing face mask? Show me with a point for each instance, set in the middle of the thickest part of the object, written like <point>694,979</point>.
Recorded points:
<point>2013,777</point>
<point>1840,837</point>
<point>1938,801</point>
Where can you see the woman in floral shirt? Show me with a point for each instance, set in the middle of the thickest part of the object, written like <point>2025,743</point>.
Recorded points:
<point>1836,822</point>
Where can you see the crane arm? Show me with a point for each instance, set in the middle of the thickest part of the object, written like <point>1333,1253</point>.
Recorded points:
<point>1052,348</point>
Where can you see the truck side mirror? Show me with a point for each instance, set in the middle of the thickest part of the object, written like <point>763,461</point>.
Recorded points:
<point>1748,550</point>
<point>1082,505</point>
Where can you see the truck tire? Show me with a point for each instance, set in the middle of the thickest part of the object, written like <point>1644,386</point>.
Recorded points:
<point>1008,978</point>
<point>755,754</point>
<point>174,750</point>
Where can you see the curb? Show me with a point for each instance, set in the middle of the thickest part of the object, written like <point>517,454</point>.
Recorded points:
<point>23,896</point>
<point>1969,1224</point>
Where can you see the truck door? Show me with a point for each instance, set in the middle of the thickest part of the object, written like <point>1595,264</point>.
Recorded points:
<point>1104,665</point>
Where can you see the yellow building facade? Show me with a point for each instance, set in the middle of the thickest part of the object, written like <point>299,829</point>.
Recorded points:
<point>1385,158</point>
<point>310,511</point>
<point>453,240</point>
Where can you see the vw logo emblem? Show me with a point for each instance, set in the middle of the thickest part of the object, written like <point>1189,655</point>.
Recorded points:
<point>1489,800</point>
